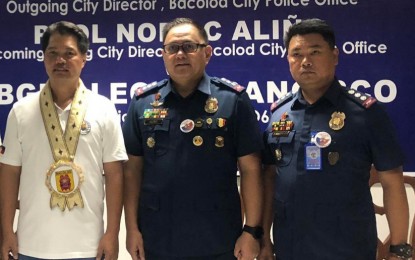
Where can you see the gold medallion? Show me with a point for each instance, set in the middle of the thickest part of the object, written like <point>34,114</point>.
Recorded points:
<point>209,122</point>
<point>278,154</point>
<point>211,105</point>
<point>151,142</point>
<point>219,141</point>
<point>63,180</point>
<point>337,120</point>
<point>197,140</point>
<point>333,157</point>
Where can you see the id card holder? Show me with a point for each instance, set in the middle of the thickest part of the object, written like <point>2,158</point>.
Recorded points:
<point>312,155</point>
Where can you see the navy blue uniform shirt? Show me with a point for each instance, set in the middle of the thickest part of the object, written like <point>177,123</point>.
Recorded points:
<point>327,213</point>
<point>189,202</point>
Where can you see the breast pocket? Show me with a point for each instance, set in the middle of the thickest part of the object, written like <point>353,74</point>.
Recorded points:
<point>156,137</point>
<point>283,147</point>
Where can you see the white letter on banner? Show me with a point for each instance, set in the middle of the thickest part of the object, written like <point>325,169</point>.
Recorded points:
<point>152,32</point>
<point>272,90</point>
<point>94,87</point>
<point>392,91</point>
<point>115,92</point>
<point>358,83</point>
<point>6,97</point>
<point>39,30</point>
<point>241,30</point>
<point>122,31</point>
<point>107,5</point>
<point>84,28</point>
<point>257,31</point>
<point>161,26</point>
<point>287,23</point>
<point>275,30</point>
<point>95,37</point>
<point>254,92</point>
<point>20,92</point>
<point>208,26</point>
<point>75,6</point>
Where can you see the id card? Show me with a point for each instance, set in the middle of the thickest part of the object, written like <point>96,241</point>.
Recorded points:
<point>312,157</point>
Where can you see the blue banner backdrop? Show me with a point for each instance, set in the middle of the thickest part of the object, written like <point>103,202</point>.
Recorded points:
<point>373,37</point>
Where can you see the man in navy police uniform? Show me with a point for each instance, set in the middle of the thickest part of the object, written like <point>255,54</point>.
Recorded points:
<point>321,144</point>
<point>185,137</point>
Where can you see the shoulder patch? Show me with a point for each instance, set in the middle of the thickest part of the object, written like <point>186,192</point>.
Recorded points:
<point>141,90</point>
<point>363,99</point>
<point>225,82</point>
<point>282,100</point>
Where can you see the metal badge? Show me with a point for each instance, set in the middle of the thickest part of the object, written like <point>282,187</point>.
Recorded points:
<point>322,139</point>
<point>337,120</point>
<point>187,125</point>
<point>197,140</point>
<point>151,142</point>
<point>219,141</point>
<point>85,127</point>
<point>333,157</point>
<point>221,122</point>
<point>199,122</point>
<point>209,122</point>
<point>211,105</point>
<point>278,154</point>
<point>157,102</point>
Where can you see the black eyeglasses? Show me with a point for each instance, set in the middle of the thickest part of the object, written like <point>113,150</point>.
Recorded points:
<point>187,47</point>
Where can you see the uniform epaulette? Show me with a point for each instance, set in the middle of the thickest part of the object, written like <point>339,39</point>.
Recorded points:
<point>225,82</point>
<point>282,100</point>
<point>362,99</point>
<point>141,90</point>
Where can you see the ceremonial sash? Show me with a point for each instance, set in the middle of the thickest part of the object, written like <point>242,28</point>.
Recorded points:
<point>64,177</point>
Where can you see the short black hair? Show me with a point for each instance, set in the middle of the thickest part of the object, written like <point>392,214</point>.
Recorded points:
<point>66,28</point>
<point>181,20</point>
<point>308,26</point>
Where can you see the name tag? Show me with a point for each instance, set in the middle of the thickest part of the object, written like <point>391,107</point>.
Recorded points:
<point>312,157</point>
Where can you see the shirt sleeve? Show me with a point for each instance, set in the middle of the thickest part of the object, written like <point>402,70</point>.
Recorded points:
<point>114,149</point>
<point>12,145</point>
<point>131,130</point>
<point>268,157</point>
<point>384,145</point>
<point>248,134</point>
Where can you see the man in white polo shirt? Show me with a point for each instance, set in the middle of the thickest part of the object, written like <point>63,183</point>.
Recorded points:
<point>58,143</point>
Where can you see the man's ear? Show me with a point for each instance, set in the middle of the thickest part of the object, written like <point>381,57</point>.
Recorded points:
<point>336,56</point>
<point>208,53</point>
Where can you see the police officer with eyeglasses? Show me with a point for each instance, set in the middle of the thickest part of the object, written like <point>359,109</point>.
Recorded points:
<point>186,136</point>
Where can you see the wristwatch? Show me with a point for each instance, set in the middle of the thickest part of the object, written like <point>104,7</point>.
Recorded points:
<point>403,251</point>
<point>257,232</point>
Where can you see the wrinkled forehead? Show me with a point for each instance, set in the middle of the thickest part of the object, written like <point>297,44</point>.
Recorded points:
<point>182,32</point>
